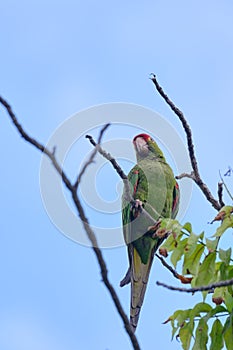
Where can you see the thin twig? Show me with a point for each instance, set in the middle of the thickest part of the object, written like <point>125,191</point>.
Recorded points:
<point>91,158</point>
<point>226,188</point>
<point>108,156</point>
<point>86,225</point>
<point>104,271</point>
<point>192,156</point>
<point>198,289</point>
<point>220,193</point>
<point>229,171</point>
<point>190,176</point>
<point>38,145</point>
<point>165,264</point>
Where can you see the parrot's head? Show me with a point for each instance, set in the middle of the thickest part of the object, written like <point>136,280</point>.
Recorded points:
<point>145,146</point>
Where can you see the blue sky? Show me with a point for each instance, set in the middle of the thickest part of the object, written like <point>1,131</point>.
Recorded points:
<point>58,58</point>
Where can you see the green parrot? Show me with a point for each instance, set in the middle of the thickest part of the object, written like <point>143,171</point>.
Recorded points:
<point>154,188</point>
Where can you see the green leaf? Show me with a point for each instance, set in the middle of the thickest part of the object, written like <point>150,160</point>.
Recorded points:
<point>171,225</point>
<point>180,316</point>
<point>183,316</point>
<point>228,332</point>
<point>228,209</point>
<point>219,309</point>
<point>192,261</point>
<point>227,324</point>
<point>230,271</point>
<point>201,337</point>
<point>198,309</point>
<point>216,336</point>
<point>219,294</point>
<point>178,319</point>
<point>206,270</point>
<point>169,244</point>
<point>187,247</point>
<point>223,269</point>
<point>230,275</point>
<point>185,334</point>
<point>188,227</point>
<point>174,329</point>
<point>211,244</point>
<point>192,242</point>
<point>178,252</point>
<point>225,255</point>
<point>228,299</point>
<point>227,222</point>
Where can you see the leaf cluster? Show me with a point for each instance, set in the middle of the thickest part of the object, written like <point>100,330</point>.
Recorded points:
<point>202,263</point>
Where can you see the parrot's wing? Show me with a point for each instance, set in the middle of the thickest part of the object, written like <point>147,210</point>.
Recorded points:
<point>176,200</point>
<point>137,192</point>
<point>138,272</point>
<point>128,215</point>
<point>133,178</point>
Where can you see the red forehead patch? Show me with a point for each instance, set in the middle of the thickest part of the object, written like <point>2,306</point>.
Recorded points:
<point>146,137</point>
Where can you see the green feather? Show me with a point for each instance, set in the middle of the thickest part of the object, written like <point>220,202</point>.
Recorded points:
<point>152,182</point>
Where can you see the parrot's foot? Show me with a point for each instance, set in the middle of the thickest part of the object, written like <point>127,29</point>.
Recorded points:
<point>126,279</point>
<point>136,207</point>
<point>159,232</point>
<point>153,229</point>
<point>137,204</point>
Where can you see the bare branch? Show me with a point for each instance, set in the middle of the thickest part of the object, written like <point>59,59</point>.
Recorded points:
<point>198,289</point>
<point>190,176</point>
<point>108,156</point>
<point>220,193</point>
<point>38,145</point>
<point>229,171</point>
<point>91,158</point>
<point>86,225</point>
<point>226,188</point>
<point>104,271</point>
<point>183,279</point>
<point>187,129</point>
<point>165,264</point>
<point>115,165</point>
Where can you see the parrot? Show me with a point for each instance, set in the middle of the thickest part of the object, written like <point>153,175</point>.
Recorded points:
<point>155,189</point>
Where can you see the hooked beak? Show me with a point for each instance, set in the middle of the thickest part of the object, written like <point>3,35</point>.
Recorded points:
<point>141,146</point>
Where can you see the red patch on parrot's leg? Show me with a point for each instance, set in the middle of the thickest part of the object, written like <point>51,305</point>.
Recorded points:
<point>175,201</point>
<point>136,184</point>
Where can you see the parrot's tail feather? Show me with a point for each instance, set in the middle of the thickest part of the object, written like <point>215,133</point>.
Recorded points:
<point>139,278</point>
<point>126,279</point>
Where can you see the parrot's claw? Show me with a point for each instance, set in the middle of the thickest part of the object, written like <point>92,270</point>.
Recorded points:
<point>136,207</point>
<point>155,227</point>
<point>157,231</point>
<point>137,204</point>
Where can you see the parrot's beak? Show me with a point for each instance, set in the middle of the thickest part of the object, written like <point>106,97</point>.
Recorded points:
<point>141,146</point>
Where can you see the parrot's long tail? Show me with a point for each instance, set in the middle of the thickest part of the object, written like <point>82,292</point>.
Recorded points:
<point>139,278</point>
